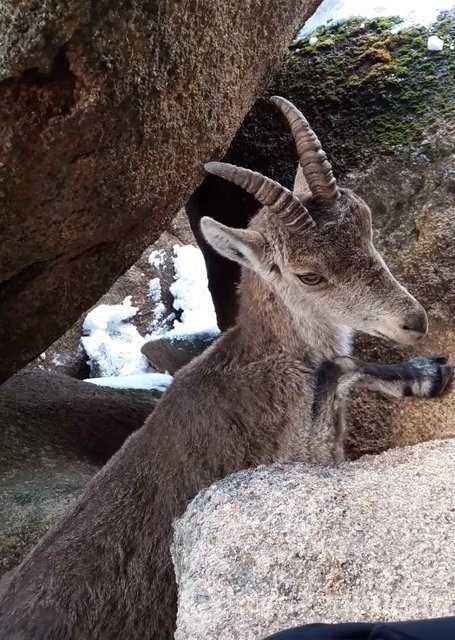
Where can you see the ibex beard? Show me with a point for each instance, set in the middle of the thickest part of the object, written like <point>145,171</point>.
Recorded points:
<point>271,389</point>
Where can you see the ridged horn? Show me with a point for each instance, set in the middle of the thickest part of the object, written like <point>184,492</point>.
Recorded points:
<point>269,193</point>
<point>315,166</point>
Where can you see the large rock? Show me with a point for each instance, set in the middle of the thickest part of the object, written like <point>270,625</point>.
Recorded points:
<point>277,547</point>
<point>108,113</point>
<point>55,433</point>
<point>384,109</point>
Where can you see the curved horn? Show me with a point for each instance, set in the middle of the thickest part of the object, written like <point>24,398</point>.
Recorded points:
<point>315,166</point>
<point>268,192</point>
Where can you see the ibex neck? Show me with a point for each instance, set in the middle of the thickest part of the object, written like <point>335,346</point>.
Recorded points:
<point>267,324</point>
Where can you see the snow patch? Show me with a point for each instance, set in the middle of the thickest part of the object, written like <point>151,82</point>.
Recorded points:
<point>191,294</point>
<point>435,44</point>
<point>411,12</point>
<point>155,290</point>
<point>112,344</point>
<point>313,40</point>
<point>159,310</point>
<point>156,258</point>
<point>146,381</point>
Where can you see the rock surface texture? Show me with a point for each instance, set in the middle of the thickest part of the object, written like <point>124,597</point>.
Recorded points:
<point>55,433</point>
<point>415,220</point>
<point>108,113</point>
<point>277,547</point>
<point>383,107</point>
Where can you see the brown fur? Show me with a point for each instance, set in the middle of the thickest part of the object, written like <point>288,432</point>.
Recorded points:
<point>259,395</point>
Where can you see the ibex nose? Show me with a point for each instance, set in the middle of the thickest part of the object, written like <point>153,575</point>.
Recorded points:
<point>416,324</point>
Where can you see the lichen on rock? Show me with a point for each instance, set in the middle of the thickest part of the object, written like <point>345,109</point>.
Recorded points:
<point>55,434</point>
<point>368,90</point>
<point>365,90</point>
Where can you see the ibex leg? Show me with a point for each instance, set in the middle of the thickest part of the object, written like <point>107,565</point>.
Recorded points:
<point>423,376</point>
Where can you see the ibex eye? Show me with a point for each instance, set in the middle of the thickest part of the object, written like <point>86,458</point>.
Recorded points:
<point>310,278</point>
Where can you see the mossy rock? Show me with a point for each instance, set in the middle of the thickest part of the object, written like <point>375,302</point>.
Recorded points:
<point>365,90</point>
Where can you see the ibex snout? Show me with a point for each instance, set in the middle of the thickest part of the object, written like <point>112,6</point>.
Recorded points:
<point>415,325</point>
<point>408,326</point>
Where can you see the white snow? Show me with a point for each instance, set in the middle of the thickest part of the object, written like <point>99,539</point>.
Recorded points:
<point>155,290</point>
<point>158,315</point>
<point>435,44</point>
<point>313,40</point>
<point>147,381</point>
<point>159,310</point>
<point>422,12</point>
<point>191,294</point>
<point>112,343</point>
<point>156,258</point>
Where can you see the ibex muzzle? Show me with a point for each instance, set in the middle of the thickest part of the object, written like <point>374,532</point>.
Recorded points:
<point>316,249</point>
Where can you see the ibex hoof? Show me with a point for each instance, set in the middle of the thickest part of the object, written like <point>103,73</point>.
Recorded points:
<point>431,376</point>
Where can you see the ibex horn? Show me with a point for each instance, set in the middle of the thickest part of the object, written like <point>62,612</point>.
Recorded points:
<point>315,166</point>
<point>268,192</point>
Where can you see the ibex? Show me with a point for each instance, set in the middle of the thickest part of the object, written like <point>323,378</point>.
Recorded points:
<point>270,389</point>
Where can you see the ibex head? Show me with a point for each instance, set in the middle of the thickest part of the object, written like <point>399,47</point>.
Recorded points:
<point>316,251</point>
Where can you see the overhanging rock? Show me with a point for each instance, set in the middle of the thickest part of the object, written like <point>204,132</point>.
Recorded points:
<point>108,113</point>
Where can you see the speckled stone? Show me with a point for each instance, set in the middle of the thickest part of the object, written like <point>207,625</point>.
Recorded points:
<point>279,546</point>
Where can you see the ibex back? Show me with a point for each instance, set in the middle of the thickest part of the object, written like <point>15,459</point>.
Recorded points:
<point>270,389</point>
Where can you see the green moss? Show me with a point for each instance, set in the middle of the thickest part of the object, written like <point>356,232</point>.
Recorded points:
<point>369,90</point>
<point>146,396</point>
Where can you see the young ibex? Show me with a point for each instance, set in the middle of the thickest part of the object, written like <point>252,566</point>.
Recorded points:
<point>270,389</point>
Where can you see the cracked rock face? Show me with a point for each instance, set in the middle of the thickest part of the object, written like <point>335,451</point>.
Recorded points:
<point>108,113</point>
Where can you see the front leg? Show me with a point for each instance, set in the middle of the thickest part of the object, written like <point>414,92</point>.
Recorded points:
<point>425,377</point>
<point>422,377</point>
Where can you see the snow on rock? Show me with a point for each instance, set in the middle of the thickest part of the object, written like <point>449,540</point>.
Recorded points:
<point>113,345</point>
<point>112,342</point>
<point>147,381</point>
<point>313,40</point>
<point>155,290</point>
<point>159,310</point>
<point>191,294</point>
<point>435,44</point>
<point>410,11</point>
<point>157,258</point>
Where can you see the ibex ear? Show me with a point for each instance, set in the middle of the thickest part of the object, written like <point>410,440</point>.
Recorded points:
<point>240,245</point>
